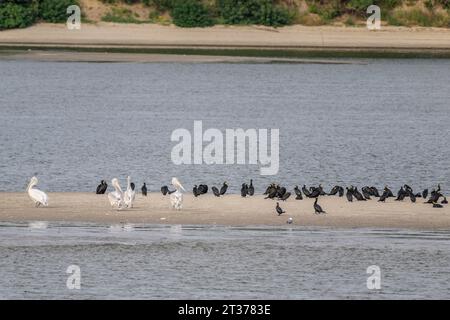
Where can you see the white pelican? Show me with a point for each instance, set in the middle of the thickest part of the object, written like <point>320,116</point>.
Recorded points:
<point>130,194</point>
<point>39,197</point>
<point>176,198</point>
<point>176,184</point>
<point>116,197</point>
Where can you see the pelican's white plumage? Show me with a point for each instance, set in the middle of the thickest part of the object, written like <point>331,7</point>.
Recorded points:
<point>176,198</point>
<point>130,194</point>
<point>39,197</point>
<point>177,184</point>
<point>116,197</point>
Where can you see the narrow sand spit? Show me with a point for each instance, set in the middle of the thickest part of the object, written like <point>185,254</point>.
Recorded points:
<point>229,210</point>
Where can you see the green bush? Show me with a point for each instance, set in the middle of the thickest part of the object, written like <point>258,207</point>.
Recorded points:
<point>360,6</point>
<point>191,13</point>
<point>263,12</point>
<point>162,5</point>
<point>120,15</point>
<point>55,10</point>
<point>444,3</point>
<point>13,15</point>
<point>417,17</point>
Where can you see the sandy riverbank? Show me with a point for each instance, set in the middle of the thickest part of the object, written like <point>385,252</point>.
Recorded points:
<point>98,40</point>
<point>229,210</point>
<point>229,36</point>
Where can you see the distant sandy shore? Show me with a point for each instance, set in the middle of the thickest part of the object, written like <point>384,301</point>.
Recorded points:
<point>229,210</point>
<point>293,41</point>
<point>230,36</point>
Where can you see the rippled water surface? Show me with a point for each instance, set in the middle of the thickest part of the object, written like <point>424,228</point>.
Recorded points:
<point>73,124</point>
<point>169,262</point>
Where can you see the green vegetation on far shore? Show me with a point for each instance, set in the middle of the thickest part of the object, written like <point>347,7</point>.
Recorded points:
<point>204,13</point>
<point>23,13</point>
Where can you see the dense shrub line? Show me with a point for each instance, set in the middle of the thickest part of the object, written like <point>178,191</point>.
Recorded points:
<point>203,13</point>
<point>23,13</point>
<point>185,13</point>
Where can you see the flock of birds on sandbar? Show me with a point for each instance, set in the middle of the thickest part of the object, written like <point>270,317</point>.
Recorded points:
<point>121,200</point>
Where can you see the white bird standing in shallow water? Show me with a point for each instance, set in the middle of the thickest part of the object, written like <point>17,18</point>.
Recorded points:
<point>39,197</point>
<point>176,198</point>
<point>130,194</point>
<point>116,197</point>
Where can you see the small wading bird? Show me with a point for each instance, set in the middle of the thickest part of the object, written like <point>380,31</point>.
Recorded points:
<point>176,198</point>
<point>101,189</point>
<point>39,197</point>
<point>279,210</point>
<point>116,197</point>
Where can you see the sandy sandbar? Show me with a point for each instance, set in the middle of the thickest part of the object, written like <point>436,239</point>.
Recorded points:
<point>229,210</point>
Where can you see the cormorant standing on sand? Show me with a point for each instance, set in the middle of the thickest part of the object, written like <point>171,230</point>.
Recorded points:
<point>317,207</point>
<point>321,191</point>
<point>244,190</point>
<point>358,195</point>
<point>279,210</point>
<point>375,192</point>
<point>285,196</point>
<point>334,191</point>
<point>306,191</point>
<point>144,190</point>
<point>349,195</point>
<point>273,192</point>
<point>412,197</point>
<point>202,189</point>
<point>269,188</point>
<point>224,188</point>
<point>281,192</point>
<point>251,189</point>
<point>366,192</point>
<point>215,191</point>
<point>383,197</point>
<point>195,191</point>
<point>298,193</point>
<point>101,189</point>
<point>389,193</point>
<point>401,194</point>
